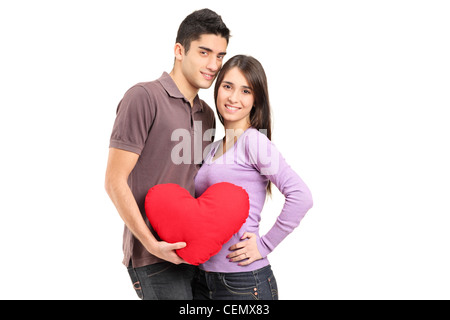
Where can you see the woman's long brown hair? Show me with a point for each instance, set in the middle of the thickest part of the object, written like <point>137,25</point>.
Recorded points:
<point>260,115</point>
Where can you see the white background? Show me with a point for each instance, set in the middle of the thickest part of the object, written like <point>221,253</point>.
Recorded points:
<point>360,92</point>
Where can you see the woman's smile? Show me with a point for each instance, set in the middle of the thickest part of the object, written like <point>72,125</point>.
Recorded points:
<point>232,109</point>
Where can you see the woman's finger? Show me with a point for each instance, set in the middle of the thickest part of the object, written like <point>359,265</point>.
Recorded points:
<point>246,235</point>
<point>247,262</point>
<point>237,253</point>
<point>238,245</point>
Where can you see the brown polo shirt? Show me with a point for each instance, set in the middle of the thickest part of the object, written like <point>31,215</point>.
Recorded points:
<point>156,121</point>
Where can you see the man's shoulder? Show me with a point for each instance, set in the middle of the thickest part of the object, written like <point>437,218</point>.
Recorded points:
<point>149,87</point>
<point>142,95</point>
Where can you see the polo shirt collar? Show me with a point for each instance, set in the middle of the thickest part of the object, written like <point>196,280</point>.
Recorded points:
<point>173,91</point>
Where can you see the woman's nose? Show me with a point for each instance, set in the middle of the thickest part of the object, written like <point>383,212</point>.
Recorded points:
<point>233,97</point>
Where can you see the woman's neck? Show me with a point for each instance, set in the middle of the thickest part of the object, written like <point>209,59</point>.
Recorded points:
<point>233,131</point>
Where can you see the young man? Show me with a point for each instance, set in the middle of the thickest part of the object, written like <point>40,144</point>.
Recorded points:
<point>141,152</point>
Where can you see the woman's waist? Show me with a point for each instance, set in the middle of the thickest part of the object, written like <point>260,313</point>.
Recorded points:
<point>220,263</point>
<point>233,267</point>
<point>267,268</point>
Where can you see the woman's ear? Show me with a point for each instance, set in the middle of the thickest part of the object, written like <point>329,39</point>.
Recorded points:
<point>179,51</point>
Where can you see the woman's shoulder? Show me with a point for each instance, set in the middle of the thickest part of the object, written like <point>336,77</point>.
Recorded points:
<point>256,136</point>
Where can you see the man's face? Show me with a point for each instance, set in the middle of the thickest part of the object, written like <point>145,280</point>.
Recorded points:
<point>201,64</point>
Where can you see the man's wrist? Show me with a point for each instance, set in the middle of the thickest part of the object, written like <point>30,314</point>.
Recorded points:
<point>151,246</point>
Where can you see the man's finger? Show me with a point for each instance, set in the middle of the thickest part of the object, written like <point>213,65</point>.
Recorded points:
<point>178,260</point>
<point>177,245</point>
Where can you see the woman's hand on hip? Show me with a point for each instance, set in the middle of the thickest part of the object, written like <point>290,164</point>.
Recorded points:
<point>246,250</point>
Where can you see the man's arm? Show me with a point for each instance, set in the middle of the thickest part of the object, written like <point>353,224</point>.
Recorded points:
<point>120,165</point>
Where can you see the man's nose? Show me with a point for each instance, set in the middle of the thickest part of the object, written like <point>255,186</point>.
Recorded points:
<point>213,65</point>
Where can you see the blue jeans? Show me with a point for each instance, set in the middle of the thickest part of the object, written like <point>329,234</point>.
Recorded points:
<point>254,285</point>
<point>163,281</point>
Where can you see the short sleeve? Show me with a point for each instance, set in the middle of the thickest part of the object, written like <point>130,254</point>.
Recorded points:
<point>133,121</point>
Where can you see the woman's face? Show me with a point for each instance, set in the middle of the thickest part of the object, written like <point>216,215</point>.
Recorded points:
<point>235,99</point>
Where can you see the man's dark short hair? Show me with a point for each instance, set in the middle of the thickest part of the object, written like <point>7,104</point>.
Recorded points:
<point>198,23</point>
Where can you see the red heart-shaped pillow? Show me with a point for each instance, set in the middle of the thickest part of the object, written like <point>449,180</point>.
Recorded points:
<point>205,223</point>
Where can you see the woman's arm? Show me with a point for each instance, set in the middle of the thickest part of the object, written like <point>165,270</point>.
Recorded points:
<point>298,200</point>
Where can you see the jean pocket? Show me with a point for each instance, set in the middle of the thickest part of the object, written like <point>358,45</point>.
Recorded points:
<point>240,282</point>
<point>136,283</point>
<point>157,268</point>
<point>241,286</point>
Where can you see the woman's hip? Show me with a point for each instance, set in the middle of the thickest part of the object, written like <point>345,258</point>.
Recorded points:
<point>259,284</point>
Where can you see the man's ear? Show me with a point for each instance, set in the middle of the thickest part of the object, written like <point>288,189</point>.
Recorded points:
<point>179,51</point>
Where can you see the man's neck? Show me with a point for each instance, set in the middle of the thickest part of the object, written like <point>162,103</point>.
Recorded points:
<point>188,91</point>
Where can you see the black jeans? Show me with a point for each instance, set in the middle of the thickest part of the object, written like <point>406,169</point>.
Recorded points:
<point>163,281</point>
<point>254,285</point>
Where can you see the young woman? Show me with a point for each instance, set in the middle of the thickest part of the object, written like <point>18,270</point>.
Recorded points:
<point>247,158</point>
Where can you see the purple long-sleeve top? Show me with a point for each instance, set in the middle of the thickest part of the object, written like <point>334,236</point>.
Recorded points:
<point>250,164</point>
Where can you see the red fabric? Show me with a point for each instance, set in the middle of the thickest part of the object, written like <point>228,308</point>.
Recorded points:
<point>205,223</point>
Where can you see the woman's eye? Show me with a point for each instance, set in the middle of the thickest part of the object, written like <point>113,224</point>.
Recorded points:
<point>227,86</point>
<point>247,92</point>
